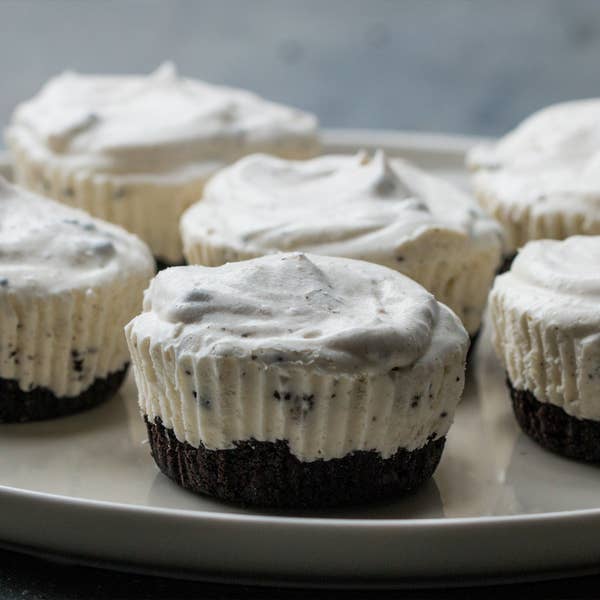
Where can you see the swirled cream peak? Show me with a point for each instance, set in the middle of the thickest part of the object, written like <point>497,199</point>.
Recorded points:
<point>332,313</point>
<point>48,247</point>
<point>542,180</point>
<point>563,136</point>
<point>566,272</point>
<point>158,124</point>
<point>358,206</point>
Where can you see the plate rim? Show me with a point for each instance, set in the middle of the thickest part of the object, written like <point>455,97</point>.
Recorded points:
<point>426,141</point>
<point>333,522</point>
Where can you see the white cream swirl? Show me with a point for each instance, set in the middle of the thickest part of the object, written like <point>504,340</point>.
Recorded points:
<point>159,125</point>
<point>570,268</point>
<point>354,206</point>
<point>330,313</point>
<point>369,208</point>
<point>46,247</point>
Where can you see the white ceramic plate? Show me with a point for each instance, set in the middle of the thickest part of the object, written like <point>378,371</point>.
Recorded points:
<point>86,489</point>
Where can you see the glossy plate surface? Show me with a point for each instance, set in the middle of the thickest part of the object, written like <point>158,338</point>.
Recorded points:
<point>85,488</point>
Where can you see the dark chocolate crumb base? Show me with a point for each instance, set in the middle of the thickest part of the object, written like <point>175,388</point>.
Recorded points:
<point>554,429</point>
<point>17,406</point>
<point>506,264</point>
<point>267,474</point>
<point>161,263</point>
<point>473,342</point>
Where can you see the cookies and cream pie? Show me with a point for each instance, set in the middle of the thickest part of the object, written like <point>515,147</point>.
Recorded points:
<point>68,285</point>
<point>547,333</point>
<point>296,379</point>
<point>541,180</point>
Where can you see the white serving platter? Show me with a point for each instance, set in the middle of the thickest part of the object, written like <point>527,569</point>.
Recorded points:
<point>85,489</point>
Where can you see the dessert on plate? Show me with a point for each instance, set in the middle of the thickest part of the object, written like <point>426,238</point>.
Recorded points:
<point>540,180</point>
<point>547,333</point>
<point>296,380</point>
<point>137,150</point>
<point>369,208</point>
<point>68,285</point>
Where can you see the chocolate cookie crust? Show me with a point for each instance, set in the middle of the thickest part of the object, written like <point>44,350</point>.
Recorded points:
<point>17,406</point>
<point>554,429</point>
<point>506,263</point>
<point>267,474</point>
<point>161,263</point>
<point>472,344</point>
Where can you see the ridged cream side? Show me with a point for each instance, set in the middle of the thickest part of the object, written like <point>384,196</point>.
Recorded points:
<point>63,342</point>
<point>551,362</point>
<point>150,209</point>
<point>462,285</point>
<point>524,221</point>
<point>216,401</point>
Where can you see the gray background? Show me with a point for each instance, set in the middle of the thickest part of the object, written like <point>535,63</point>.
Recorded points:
<point>446,65</point>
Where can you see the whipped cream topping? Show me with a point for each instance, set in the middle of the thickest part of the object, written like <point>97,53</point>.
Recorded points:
<point>46,247</point>
<point>547,323</point>
<point>327,312</point>
<point>563,136</point>
<point>159,125</point>
<point>542,179</point>
<point>369,208</point>
<point>353,206</point>
<point>570,268</point>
